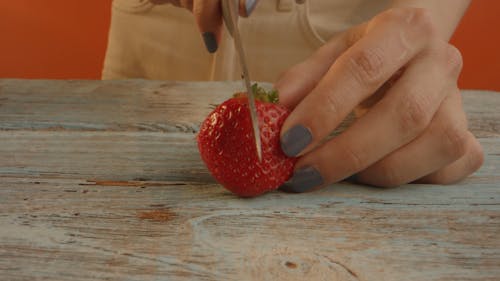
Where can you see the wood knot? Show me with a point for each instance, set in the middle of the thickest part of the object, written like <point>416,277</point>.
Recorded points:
<point>291,265</point>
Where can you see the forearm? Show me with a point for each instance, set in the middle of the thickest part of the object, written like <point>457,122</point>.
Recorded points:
<point>445,13</point>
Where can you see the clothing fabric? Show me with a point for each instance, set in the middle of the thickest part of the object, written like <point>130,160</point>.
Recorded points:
<point>162,42</point>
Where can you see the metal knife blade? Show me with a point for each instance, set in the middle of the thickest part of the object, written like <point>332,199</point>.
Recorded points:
<point>230,15</point>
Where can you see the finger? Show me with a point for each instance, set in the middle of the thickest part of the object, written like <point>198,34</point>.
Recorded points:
<point>300,80</point>
<point>391,40</point>
<point>460,169</point>
<point>401,116</point>
<point>445,141</point>
<point>246,7</point>
<point>208,15</point>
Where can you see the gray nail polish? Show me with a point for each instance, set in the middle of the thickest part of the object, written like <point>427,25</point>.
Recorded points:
<point>303,180</point>
<point>250,6</point>
<point>295,140</point>
<point>210,41</point>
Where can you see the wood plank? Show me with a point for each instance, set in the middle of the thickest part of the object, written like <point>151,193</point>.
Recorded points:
<point>132,155</point>
<point>102,180</point>
<point>62,229</point>
<point>131,105</point>
<point>101,155</point>
<point>156,106</point>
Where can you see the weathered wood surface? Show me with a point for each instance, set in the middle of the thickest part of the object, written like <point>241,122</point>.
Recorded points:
<point>102,180</point>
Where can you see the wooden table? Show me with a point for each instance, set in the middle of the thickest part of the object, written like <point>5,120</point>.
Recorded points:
<point>102,180</point>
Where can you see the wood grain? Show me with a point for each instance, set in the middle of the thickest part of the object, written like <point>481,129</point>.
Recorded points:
<point>102,180</point>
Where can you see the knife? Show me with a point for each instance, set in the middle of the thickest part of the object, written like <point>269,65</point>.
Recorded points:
<point>230,14</point>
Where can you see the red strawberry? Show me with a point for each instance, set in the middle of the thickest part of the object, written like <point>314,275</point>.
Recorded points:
<point>227,145</point>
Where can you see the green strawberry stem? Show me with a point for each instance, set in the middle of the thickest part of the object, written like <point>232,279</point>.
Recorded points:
<point>262,95</point>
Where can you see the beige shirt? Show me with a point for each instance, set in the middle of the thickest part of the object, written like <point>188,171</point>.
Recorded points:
<point>162,42</point>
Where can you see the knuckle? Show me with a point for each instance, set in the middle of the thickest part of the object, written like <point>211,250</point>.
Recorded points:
<point>393,15</point>
<point>453,60</point>
<point>389,176</point>
<point>421,19</point>
<point>366,66</point>
<point>414,115</point>
<point>456,141</point>
<point>476,158</point>
<point>332,103</point>
<point>353,158</point>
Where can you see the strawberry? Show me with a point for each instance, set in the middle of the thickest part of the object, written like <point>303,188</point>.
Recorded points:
<point>227,146</point>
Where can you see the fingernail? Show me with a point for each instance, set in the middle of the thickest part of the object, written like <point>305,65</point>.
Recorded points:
<point>295,140</point>
<point>250,6</point>
<point>210,41</point>
<point>303,180</point>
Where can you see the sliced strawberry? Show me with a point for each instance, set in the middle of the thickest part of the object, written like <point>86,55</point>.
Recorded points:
<point>227,146</point>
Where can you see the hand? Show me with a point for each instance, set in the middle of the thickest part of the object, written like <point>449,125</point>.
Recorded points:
<point>401,78</point>
<point>208,15</point>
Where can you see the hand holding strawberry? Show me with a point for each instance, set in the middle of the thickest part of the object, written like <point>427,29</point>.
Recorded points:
<point>226,144</point>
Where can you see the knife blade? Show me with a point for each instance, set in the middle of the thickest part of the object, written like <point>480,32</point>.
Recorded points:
<point>230,15</point>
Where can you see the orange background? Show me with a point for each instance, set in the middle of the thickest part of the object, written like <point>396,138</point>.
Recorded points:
<point>67,39</point>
